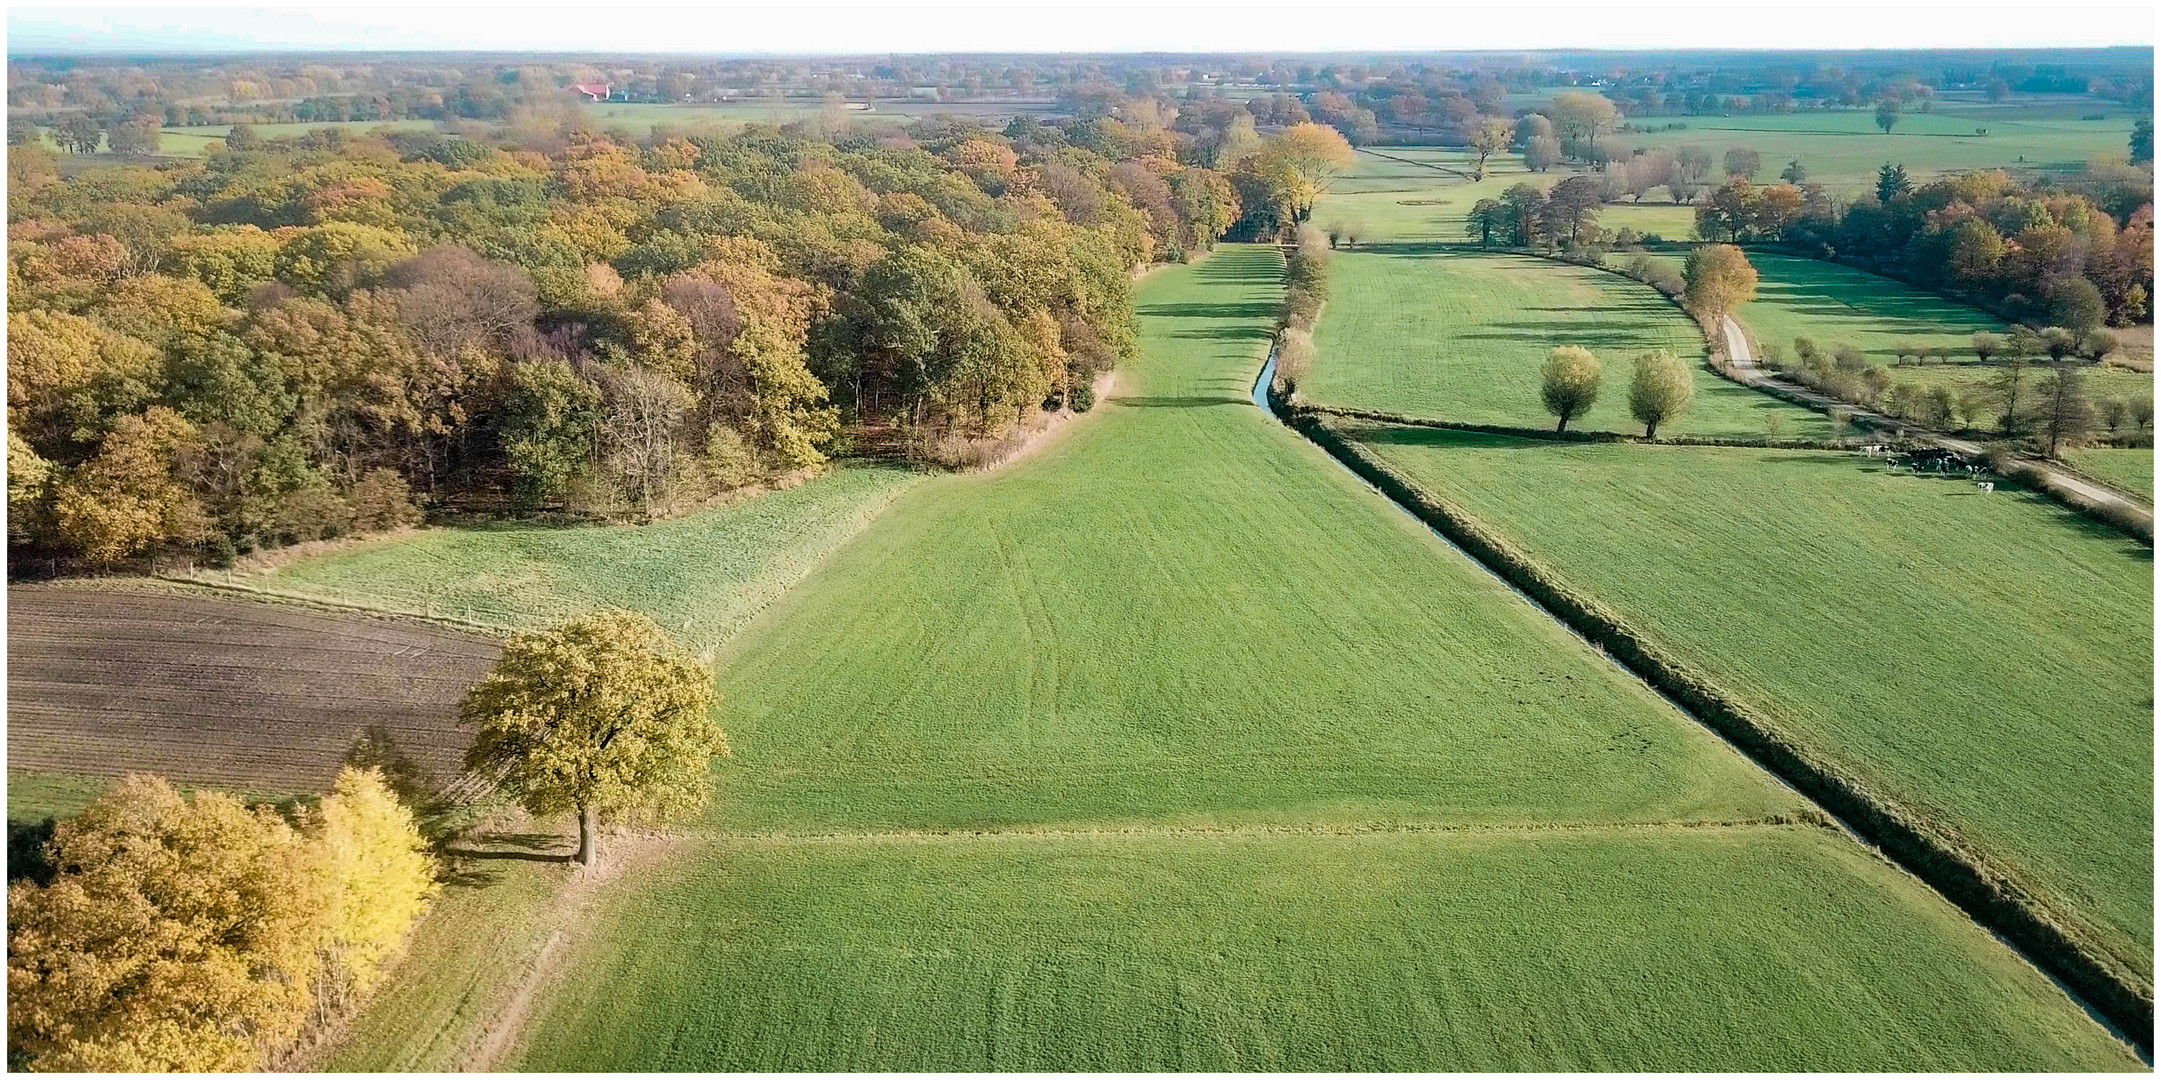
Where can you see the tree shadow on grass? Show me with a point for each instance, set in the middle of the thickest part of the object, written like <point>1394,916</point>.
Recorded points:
<point>1593,336</point>
<point>1256,309</point>
<point>1173,401</point>
<point>1239,271</point>
<point>1239,332</point>
<point>480,862</point>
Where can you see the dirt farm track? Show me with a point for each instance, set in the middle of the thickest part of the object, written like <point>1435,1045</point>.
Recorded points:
<point>258,696</point>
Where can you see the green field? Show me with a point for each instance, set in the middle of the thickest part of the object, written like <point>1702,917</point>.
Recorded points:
<point>1175,747</point>
<point>701,576</point>
<point>1423,194</point>
<point>1402,198</point>
<point>1986,660</point>
<point>2129,469</point>
<point>196,141</point>
<point>1842,149</point>
<point>465,962</point>
<point>2101,383</point>
<point>1838,305</point>
<point>37,794</point>
<point>641,116</point>
<point>1461,335</point>
<point>1392,196</point>
<point>1471,951</point>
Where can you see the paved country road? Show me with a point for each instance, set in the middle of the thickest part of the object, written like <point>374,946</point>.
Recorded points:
<point>1743,366</point>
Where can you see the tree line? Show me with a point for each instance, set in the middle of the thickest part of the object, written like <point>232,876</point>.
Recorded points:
<point>2078,256</point>
<point>162,932</point>
<point>296,338</point>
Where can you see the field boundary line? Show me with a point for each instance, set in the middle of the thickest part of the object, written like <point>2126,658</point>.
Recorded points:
<point>1806,819</point>
<point>1932,851</point>
<point>1383,416</point>
<point>263,595</point>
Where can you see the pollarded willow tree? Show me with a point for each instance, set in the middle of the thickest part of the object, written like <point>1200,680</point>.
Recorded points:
<point>1570,383</point>
<point>1660,391</point>
<point>601,714</point>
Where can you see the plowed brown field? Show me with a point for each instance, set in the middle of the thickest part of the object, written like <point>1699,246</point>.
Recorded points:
<point>231,692</point>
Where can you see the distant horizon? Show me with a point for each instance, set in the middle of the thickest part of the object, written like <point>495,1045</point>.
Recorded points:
<point>954,29</point>
<point>1169,54</point>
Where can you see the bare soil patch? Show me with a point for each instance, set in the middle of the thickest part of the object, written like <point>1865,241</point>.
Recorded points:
<point>230,692</point>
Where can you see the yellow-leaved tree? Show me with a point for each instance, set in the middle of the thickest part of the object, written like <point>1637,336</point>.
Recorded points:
<point>1569,383</point>
<point>378,878</point>
<point>1299,165</point>
<point>195,933</point>
<point>177,937</point>
<point>1720,280</point>
<point>601,714</point>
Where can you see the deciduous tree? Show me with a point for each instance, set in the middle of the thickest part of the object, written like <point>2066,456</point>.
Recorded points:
<point>1580,118</point>
<point>1491,137</point>
<point>1719,278</point>
<point>2063,416</point>
<point>1569,383</point>
<point>1661,390</point>
<point>601,715</point>
<point>178,937</point>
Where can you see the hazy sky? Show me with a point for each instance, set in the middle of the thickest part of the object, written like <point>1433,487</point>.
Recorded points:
<point>1119,26</point>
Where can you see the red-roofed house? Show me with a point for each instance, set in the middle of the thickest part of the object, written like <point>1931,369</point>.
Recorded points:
<point>593,91</point>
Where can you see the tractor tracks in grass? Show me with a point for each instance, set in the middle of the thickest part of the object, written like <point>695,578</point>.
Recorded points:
<point>1435,166</point>
<point>1264,830</point>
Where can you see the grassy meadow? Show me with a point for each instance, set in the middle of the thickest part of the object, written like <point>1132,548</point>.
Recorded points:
<point>465,963</point>
<point>1838,305</point>
<point>1173,746</point>
<point>36,794</point>
<point>701,576</point>
<point>196,141</point>
<point>1387,951</point>
<point>1842,149</point>
<point>2129,469</point>
<point>1461,335</point>
<point>1986,660</point>
<point>1423,193</point>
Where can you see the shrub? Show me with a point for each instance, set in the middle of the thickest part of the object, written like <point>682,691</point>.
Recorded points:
<point>1654,273</point>
<point>1301,307</point>
<point>1083,398</point>
<point>729,460</point>
<point>1294,356</point>
<point>382,500</point>
<point>312,513</point>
